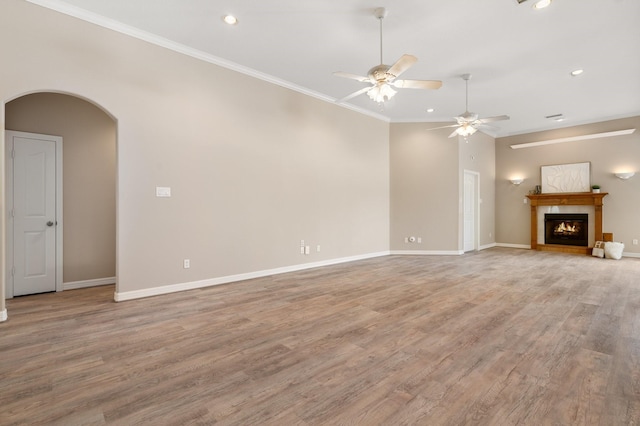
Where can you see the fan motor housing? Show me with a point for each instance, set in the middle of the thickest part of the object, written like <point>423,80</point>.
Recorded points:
<point>380,73</point>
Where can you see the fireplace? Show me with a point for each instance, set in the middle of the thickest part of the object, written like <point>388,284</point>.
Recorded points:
<point>569,229</point>
<point>565,200</point>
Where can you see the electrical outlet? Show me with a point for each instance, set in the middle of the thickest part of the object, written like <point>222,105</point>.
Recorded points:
<point>406,239</point>
<point>419,240</point>
<point>635,242</point>
<point>186,264</point>
<point>318,248</point>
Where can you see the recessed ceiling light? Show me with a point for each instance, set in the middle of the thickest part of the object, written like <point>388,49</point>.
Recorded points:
<point>430,110</point>
<point>576,73</point>
<point>230,19</point>
<point>541,4</point>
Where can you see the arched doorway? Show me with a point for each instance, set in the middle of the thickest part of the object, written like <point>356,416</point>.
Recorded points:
<point>88,183</point>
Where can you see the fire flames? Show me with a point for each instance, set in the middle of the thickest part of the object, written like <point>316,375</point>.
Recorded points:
<point>566,228</point>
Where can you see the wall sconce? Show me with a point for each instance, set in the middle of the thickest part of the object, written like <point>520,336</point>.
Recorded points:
<point>516,181</point>
<point>625,175</point>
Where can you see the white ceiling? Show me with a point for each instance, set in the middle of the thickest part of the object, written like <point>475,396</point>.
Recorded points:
<point>520,58</point>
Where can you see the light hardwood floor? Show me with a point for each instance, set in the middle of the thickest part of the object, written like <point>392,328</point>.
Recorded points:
<point>498,337</point>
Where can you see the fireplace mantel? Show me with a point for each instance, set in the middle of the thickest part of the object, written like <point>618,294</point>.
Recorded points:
<point>566,199</point>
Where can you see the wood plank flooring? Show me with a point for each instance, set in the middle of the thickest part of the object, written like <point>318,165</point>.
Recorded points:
<point>498,337</point>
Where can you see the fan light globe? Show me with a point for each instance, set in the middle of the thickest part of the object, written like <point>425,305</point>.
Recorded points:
<point>381,93</point>
<point>465,130</point>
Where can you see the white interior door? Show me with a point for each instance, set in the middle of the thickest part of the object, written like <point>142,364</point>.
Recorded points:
<point>470,210</point>
<point>33,214</point>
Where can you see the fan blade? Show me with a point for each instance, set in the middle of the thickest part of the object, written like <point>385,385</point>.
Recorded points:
<point>490,119</point>
<point>354,94</point>
<point>417,84</point>
<point>485,126</point>
<point>444,127</point>
<point>454,133</point>
<point>351,76</point>
<point>402,65</point>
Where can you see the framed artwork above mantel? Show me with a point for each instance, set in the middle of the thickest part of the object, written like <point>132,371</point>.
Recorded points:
<point>559,178</point>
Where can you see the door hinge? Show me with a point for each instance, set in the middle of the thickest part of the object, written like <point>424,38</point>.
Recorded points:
<point>13,271</point>
<point>13,213</point>
<point>13,153</point>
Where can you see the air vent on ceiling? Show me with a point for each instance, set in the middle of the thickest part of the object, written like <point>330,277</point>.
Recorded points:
<point>556,117</point>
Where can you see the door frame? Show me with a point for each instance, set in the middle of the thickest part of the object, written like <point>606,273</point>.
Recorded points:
<point>476,209</point>
<point>9,203</point>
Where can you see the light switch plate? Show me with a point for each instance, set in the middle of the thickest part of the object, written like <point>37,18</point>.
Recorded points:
<point>163,191</point>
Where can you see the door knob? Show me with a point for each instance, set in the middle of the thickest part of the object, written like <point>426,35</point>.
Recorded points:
<point>49,223</point>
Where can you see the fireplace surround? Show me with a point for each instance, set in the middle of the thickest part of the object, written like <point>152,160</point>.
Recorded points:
<point>566,199</point>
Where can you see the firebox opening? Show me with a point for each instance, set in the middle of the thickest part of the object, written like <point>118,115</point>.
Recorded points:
<point>566,229</point>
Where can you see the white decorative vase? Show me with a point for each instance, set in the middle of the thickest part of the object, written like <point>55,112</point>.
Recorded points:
<point>596,191</point>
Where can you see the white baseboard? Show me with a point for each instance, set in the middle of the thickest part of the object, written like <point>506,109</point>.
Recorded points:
<point>428,252</point>
<point>487,246</point>
<point>173,288</point>
<point>88,283</point>
<point>3,315</point>
<point>637,255</point>
<point>518,246</point>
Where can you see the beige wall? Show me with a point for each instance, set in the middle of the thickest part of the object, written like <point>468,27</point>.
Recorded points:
<point>607,155</point>
<point>89,177</point>
<point>426,187</point>
<point>253,167</point>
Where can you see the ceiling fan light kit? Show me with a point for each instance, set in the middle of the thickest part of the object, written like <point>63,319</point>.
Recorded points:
<point>465,130</point>
<point>383,77</point>
<point>381,93</point>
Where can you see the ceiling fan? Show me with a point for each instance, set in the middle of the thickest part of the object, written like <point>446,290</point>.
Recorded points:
<point>383,77</point>
<point>468,122</point>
